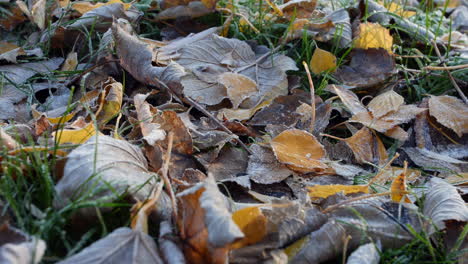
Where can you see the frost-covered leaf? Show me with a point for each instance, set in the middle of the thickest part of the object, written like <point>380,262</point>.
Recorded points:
<point>19,73</point>
<point>450,112</point>
<point>208,228</point>
<point>208,58</point>
<point>100,162</point>
<point>323,191</point>
<point>136,57</point>
<point>365,254</point>
<point>123,245</point>
<point>263,166</point>
<point>173,9</point>
<point>299,150</point>
<point>443,203</point>
<point>432,161</point>
<point>238,87</point>
<point>367,147</point>
<point>252,223</point>
<point>385,103</point>
<point>349,99</point>
<point>17,247</point>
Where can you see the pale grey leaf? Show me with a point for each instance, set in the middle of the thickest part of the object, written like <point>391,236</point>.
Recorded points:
<point>365,254</point>
<point>20,73</point>
<point>432,161</point>
<point>123,245</point>
<point>169,249</point>
<point>17,247</point>
<point>263,166</point>
<point>443,203</point>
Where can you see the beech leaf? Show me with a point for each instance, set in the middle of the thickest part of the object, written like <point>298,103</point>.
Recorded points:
<point>450,112</point>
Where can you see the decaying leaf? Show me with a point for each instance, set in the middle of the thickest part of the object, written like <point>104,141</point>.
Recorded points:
<point>367,147</point>
<point>17,247</point>
<point>450,112</point>
<point>365,254</point>
<point>19,73</point>
<point>12,19</point>
<point>432,161</point>
<point>368,67</point>
<point>206,226</point>
<point>83,7</point>
<point>9,51</point>
<point>443,204</point>
<point>173,9</point>
<point>123,245</point>
<point>349,99</point>
<point>38,13</point>
<point>322,60</point>
<point>112,102</point>
<point>264,168</point>
<point>299,150</point>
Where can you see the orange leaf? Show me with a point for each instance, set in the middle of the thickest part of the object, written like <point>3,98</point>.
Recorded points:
<point>323,191</point>
<point>399,188</point>
<point>252,223</point>
<point>299,150</point>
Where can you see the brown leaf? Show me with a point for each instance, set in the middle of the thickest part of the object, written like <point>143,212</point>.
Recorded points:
<point>349,99</point>
<point>238,87</point>
<point>299,150</point>
<point>367,147</point>
<point>450,112</point>
<point>385,103</point>
<point>206,226</point>
<point>264,168</point>
<point>367,68</point>
<point>185,8</point>
<point>10,21</point>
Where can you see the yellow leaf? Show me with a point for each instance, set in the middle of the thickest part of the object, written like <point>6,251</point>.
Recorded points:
<point>373,35</point>
<point>322,60</point>
<point>399,187</point>
<point>53,120</point>
<point>83,7</point>
<point>397,9</point>
<point>299,150</point>
<point>75,136</point>
<point>112,102</point>
<point>252,223</point>
<point>323,191</point>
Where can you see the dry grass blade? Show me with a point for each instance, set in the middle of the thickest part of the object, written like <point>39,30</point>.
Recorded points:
<point>312,96</point>
<point>165,169</point>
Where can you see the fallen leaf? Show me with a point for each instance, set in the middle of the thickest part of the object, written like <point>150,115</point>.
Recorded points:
<point>229,164</point>
<point>75,136</point>
<point>252,223</point>
<point>7,141</point>
<point>397,9</point>
<point>399,187</point>
<point>450,112</point>
<point>368,67</point>
<point>322,61</point>
<point>299,150</point>
<point>366,254</point>
<point>19,73</point>
<point>38,13</point>
<point>113,91</point>
<point>264,168</point>
<point>432,161</point>
<point>84,7</point>
<point>123,245</point>
<point>188,8</point>
<point>443,203</point>
<point>298,8</point>
<point>385,103</point>
<point>101,16</point>
<point>349,99</point>
<point>206,226</point>
<point>17,247</point>
<point>13,19</point>
<point>238,87</point>
<point>373,36</point>
<point>152,132</point>
<point>324,191</point>
<point>9,51</point>
<point>282,111</point>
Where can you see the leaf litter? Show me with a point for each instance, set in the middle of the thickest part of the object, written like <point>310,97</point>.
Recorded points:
<point>194,134</point>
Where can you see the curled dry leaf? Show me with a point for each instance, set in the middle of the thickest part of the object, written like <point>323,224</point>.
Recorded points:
<point>83,7</point>
<point>299,150</point>
<point>77,133</point>
<point>152,131</point>
<point>206,226</point>
<point>123,245</point>
<point>263,166</point>
<point>450,112</point>
<point>136,57</point>
<point>9,51</point>
<point>322,60</point>
<point>38,13</point>
<point>104,161</point>
<point>399,187</point>
<point>349,99</point>
<point>443,203</point>
<point>17,247</point>
<point>432,161</point>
